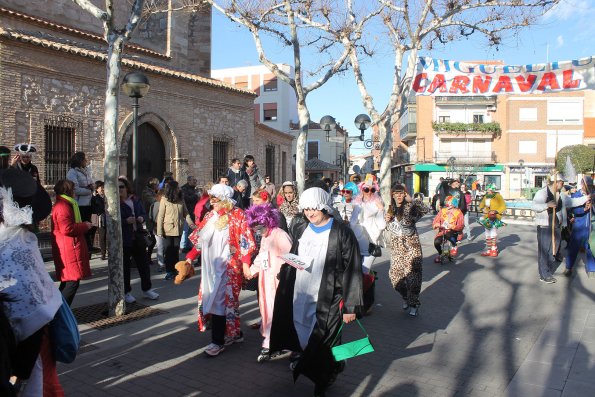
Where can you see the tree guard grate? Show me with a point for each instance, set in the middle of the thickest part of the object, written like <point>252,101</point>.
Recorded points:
<point>96,316</point>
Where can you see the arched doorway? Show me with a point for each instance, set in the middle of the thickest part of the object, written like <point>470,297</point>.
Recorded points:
<point>151,156</point>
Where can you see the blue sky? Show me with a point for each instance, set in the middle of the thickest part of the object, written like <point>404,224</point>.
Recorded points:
<point>566,32</point>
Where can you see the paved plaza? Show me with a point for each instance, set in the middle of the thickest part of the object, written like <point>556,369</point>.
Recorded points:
<point>487,327</point>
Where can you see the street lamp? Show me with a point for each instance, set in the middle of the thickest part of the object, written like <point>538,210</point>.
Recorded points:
<point>521,164</point>
<point>135,85</point>
<point>362,122</point>
<point>451,165</point>
<point>328,123</point>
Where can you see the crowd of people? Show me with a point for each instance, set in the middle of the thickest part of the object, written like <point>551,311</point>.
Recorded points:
<point>310,257</point>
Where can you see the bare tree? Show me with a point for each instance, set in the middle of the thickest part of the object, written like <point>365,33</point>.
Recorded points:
<point>282,21</point>
<point>115,37</point>
<point>414,26</point>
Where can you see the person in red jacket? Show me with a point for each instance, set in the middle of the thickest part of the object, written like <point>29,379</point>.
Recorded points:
<point>69,248</point>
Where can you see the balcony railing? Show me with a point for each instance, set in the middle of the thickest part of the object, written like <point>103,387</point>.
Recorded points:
<point>471,157</point>
<point>492,128</point>
<point>409,130</point>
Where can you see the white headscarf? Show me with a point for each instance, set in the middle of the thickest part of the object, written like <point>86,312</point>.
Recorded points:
<point>317,199</point>
<point>222,192</point>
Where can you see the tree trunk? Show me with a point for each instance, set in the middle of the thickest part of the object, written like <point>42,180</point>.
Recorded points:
<point>300,147</point>
<point>386,138</point>
<point>111,171</point>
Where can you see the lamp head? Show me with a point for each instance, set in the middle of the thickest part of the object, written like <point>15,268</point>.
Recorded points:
<point>135,85</point>
<point>362,122</point>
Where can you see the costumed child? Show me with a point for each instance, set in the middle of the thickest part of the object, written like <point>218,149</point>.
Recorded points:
<point>449,222</point>
<point>493,206</point>
<point>581,229</point>
<point>263,219</point>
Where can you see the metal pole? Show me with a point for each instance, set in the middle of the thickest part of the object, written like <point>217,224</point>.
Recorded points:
<point>345,163</point>
<point>135,143</point>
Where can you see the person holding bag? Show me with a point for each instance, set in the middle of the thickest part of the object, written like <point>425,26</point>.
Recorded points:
<point>133,216</point>
<point>371,219</point>
<point>307,311</point>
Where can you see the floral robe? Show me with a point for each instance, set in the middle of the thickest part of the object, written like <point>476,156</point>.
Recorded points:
<point>241,246</point>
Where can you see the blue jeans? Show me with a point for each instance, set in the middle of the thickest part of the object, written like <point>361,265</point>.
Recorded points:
<point>185,243</point>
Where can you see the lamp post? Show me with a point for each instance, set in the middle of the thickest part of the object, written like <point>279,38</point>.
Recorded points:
<point>135,85</point>
<point>521,164</point>
<point>362,122</point>
<point>451,165</point>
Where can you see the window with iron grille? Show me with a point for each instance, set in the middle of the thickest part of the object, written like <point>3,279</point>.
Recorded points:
<point>312,150</point>
<point>270,162</point>
<point>59,133</point>
<point>220,164</point>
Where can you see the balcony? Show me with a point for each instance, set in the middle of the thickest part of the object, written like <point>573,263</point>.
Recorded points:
<point>466,100</point>
<point>471,157</point>
<point>408,131</point>
<point>470,130</point>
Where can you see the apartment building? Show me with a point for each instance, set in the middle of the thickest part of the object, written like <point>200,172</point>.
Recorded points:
<point>509,141</point>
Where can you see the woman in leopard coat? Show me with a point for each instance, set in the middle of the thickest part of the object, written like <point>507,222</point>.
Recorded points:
<point>406,256</point>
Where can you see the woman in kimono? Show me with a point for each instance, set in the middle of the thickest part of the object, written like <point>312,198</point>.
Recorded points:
<point>406,255</point>
<point>312,303</point>
<point>226,246</point>
<point>263,219</point>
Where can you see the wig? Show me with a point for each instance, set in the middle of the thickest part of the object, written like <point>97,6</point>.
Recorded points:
<point>264,215</point>
<point>452,200</point>
<point>374,197</point>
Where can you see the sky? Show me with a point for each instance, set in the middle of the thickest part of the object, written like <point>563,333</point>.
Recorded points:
<point>566,32</point>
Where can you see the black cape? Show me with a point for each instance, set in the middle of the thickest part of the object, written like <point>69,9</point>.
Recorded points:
<point>341,281</point>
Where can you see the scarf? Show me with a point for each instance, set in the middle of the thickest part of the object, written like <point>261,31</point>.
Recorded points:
<point>75,208</point>
<point>289,209</point>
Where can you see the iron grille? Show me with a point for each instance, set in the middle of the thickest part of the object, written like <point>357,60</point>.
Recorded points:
<point>270,162</point>
<point>220,165</point>
<point>283,167</point>
<point>59,134</point>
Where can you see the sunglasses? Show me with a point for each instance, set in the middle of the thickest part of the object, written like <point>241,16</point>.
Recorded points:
<point>121,187</point>
<point>368,190</point>
<point>346,191</point>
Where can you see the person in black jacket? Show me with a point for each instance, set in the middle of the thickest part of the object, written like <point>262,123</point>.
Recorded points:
<point>452,187</point>
<point>328,292</point>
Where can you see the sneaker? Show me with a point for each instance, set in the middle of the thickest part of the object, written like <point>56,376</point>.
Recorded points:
<point>214,349</point>
<point>265,355</point>
<point>237,339</point>
<point>567,272</point>
<point>548,280</point>
<point>494,253</point>
<point>453,251</point>
<point>485,253</point>
<point>437,259</point>
<point>413,311</point>
<point>405,306</point>
<point>151,294</point>
<point>128,298</point>
<point>169,276</point>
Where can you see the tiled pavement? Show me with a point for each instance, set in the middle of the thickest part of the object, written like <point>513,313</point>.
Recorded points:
<point>487,327</point>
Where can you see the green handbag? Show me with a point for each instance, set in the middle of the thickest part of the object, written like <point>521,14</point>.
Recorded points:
<point>352,349</point>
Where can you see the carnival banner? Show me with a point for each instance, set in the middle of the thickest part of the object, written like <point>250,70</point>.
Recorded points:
<point>440,77</point>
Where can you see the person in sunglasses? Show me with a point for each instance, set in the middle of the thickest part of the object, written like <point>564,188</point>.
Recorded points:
<point>371,218</point>
<point>22,160</point>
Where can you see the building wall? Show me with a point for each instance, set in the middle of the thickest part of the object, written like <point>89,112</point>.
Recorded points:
<point>181,39</point>
<point>282,143</point>
<point>38,82</point>
<point>254,77</point>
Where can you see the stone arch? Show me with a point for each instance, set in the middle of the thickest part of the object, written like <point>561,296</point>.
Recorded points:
<point>167,135</point>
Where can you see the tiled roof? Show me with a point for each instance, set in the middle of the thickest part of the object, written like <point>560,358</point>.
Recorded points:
<point>319,165</point>
<point>81,33</point>
<point>95,52</point>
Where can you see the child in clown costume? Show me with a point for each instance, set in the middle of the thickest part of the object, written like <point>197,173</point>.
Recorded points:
<point>493,206</point>
<point>449,222</point>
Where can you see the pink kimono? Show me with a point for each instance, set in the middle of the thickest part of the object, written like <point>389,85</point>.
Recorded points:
<point>267,264</point>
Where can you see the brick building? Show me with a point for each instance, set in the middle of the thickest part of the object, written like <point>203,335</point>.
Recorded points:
<point>514,148</point>
<point>53,77</point>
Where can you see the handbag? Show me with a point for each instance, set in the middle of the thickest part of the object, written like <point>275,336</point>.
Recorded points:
<point>374,250</point>
<point>64,333</point>
<point>352,349</point>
